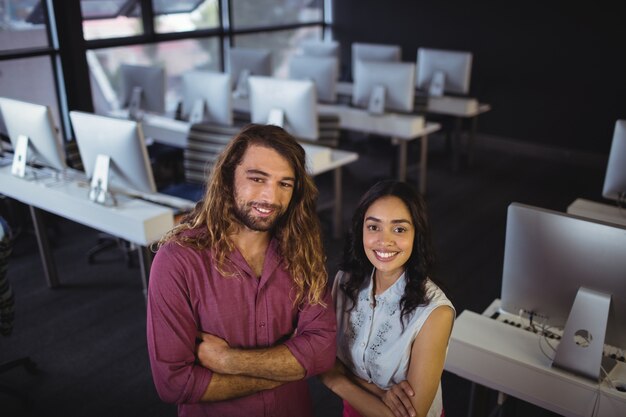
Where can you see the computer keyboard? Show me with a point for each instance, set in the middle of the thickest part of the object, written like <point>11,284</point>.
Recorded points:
<point>550,333</point>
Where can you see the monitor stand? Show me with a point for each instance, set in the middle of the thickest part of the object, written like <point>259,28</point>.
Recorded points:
<point>621,199</point>
<point>19,157</point>
<point>241,89</point>
<point>437,84</point>
<point>276,117</point>
<point>99,187</point>
<point>196,115</point>
<point>582,343</point>
<point>134,105</point>
<point>376,103</point>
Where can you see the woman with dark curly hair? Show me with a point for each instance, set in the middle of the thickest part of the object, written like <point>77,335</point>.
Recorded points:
<point>393,321</point>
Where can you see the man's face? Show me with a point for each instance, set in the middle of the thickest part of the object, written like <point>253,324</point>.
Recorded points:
<point>263,187</point>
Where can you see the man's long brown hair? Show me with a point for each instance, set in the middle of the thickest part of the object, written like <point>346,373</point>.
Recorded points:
<point>297,231</point>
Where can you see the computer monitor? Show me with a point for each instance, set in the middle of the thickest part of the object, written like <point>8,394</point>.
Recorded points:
<point>549,256</point>
<point>142,88</point>
<point>291,104</point>
<point>381,86</point>
<point>322,70</point>
<point>34,122</point>
<point>207,97</point>
<point>615,178</point>
<point>374,52</point>
<point>122,141</point>
<point>244,62</point>
<point>453,66</point>
<point>320,48</point>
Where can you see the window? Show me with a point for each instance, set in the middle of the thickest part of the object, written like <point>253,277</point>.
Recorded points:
<point>283,43</point>
<point>110,19</point>
<point>189,34</point>
<point>27,49</point>
<point>175,56</point>
<point>184,16</point>
<point>262,13</point>
<point>22,25</point>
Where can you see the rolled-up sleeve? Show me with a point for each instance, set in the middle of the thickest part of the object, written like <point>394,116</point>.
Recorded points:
<point>314,344</point>
<point>171,331</point>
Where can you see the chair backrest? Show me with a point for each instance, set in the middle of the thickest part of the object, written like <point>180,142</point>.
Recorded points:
<point>204,144</point>
<point>7,306</point>
<point>206,141</point>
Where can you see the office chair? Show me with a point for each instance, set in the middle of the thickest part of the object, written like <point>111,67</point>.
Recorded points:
<point>204,144</point>
<point>7,312</point>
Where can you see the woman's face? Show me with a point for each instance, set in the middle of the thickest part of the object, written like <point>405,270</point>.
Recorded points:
<point>388,234</point>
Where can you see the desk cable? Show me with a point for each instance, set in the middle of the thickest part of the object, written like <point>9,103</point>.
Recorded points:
<point>596,404</point>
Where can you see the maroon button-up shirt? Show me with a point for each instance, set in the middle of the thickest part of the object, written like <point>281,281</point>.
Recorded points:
<point>188,294</point>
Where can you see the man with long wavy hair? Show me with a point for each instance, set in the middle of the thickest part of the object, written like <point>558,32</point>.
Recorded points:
<point>238,300</point>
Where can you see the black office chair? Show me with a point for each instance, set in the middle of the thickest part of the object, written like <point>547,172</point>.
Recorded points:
<point>7,312</point>
<point>204,144</point>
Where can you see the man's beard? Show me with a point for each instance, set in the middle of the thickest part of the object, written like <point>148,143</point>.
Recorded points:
<point>245,214</point>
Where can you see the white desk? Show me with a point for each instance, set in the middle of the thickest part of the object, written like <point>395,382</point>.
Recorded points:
<point>508,359</point>
<point>134,220</point>
<point>459,108</point>
<point>598,211</point>
<point>401,128</point>
<point>339,158</point>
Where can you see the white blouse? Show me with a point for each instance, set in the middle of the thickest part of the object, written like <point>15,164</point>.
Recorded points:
<point>371,341</point>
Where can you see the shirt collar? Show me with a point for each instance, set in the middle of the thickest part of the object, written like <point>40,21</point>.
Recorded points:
<point>395,292</point>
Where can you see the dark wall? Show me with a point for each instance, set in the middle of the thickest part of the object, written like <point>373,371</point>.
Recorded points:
<point>554,74</point>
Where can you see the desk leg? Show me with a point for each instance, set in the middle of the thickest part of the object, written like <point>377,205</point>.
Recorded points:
<point>49,267</point>
<point>470,143</point>
<point>478,400</point>
<point>145,260</point>
<point>456,143</point>
<point>337,203</point>
<point>423,163</point>
<point>402,159</point>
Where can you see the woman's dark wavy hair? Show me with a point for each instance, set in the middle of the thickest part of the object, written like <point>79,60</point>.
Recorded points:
<point>419,266</point>
<point>297,232</point>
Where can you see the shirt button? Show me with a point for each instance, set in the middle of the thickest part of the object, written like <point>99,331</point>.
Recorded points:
<point>262,324</point>
<point>363,344</point>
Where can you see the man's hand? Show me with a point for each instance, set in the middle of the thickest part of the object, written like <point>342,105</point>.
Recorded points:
<point>212,352</point>
<point>397,398</point>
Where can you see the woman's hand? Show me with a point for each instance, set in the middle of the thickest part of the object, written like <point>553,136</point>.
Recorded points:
<point>398,399</point>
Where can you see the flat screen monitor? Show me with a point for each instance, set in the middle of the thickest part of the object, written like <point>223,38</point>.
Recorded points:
<point>322,70</point>
<point>207,96</point>
<point>456,67</point>
<point>142,87</point>
<point>35,121</point>
<point>615,178</point>
<point>123,142</point>
<point>291,104</point>
<point>374,52</point>
<point>394,81</point>
<point>320,48</point>
<point>248,61</point>
<point>549,255</point>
